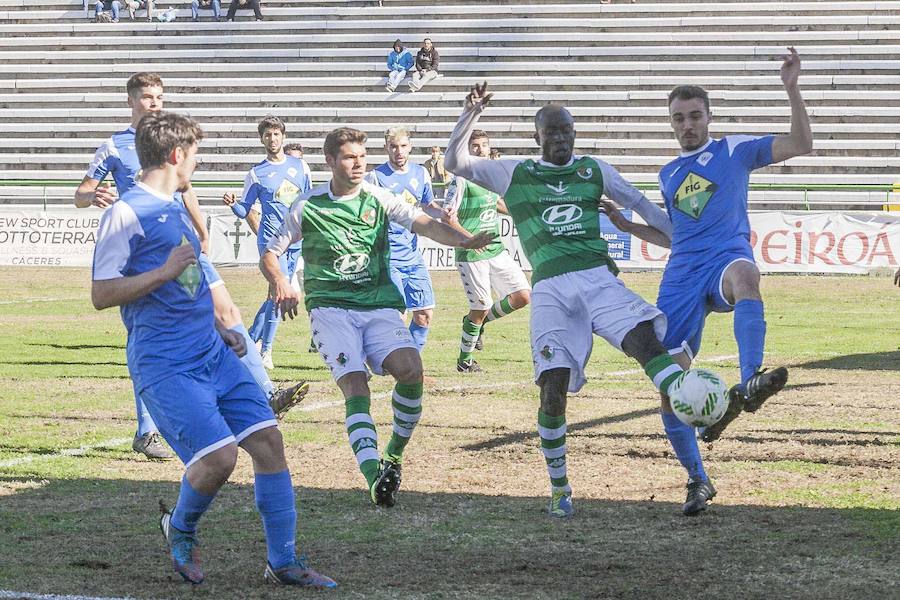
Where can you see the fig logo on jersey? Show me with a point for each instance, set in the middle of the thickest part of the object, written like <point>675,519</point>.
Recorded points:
<point>561,214</point>
<point>488,216</point>
<point>693,195</point>
<point>350,264</point>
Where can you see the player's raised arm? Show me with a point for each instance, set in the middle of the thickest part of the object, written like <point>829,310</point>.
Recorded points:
<point>494,175</point>
<point>800,140</point>
<point>616,188</point>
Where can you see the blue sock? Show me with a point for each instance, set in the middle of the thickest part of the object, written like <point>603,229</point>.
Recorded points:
<point>190,507</point>
<point>419,334</point>
<point>750,333</point>
<point>273,317</point>
<point>253,361</point>
<point>259,321</point>
<point>275,501</point>
<point>144,420</point>
<point>684,442</point>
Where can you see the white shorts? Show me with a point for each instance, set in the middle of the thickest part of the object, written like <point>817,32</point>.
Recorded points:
<point>500,272</point>
<point>348,340</point>
<point>567,308</point>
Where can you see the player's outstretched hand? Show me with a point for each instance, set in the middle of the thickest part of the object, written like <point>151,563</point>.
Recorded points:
<point>228,198</point>
<point>104,196</point>
<point>479,97</point>
<point>615,216</point>
<point>478,241</point>
<point>284,295</point>
<point>180,258</point>
<point>897,277</point>
<point>790,68</point>
<point>235,341</point>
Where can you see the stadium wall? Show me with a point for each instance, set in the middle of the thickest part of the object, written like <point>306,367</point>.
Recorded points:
<point>783,242</point>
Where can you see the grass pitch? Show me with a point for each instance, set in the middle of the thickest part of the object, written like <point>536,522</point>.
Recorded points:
<point>809,487</point>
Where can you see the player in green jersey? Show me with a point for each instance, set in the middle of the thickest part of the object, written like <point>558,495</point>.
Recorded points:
<point>554,203</point>
<point>354,306</point>
<point>476,209</point>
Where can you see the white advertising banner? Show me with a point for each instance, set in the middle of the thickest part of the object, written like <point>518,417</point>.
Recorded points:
<point>784,242</point>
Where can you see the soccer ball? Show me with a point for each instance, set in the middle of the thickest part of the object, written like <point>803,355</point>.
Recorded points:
<point>699,398</point>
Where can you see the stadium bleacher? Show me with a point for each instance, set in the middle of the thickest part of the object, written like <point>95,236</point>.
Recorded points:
<point>320,64</point>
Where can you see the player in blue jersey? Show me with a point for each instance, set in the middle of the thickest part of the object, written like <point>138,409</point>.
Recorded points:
<point>183,362</point>
<point>118,158</point>
<point>275,183</point>
<point>711,266</point>
<point>408,269</point>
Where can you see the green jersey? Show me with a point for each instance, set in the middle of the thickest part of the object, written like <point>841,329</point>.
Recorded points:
<point>476,211</point>
<point>556,213</point>
<point>345,250</point>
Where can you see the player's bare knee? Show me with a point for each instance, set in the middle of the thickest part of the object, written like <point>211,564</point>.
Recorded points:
<point>554,387</point>
<point>664,404</point>
<point>477,316</point>
<point>520,299</point>
<point>219,464</point>
<point>354,384</point>
<point>642,344</point>
<point>741,282</point>
<point>410,372</point>
<point>266,447</point>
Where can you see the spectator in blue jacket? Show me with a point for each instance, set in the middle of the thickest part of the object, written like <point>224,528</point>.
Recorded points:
<point>399,61</point>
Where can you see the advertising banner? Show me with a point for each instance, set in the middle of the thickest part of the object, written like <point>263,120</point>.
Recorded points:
<point>783,242</point>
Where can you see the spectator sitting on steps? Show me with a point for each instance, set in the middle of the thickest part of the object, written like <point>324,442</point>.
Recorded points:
<point>214,5</point>
<point>426,66</point>
<point>134,5</point>
<point>107,11</point>
<point>236,4</point>
<point>399,61</point>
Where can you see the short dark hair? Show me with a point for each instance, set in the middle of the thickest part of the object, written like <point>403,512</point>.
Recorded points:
<point>341,136</point>
<point>159,133</point>
<point>270,122</point>
<point>139,81</point>
<point>292,147</point>
<point>689,92</point>
<point>479,134</point>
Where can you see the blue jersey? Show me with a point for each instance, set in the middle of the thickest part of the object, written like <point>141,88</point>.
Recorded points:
<point>171,329</point>
<point>414,185</point>
<point>276,186</point>
<point>705,192</point>
<point>117,156</point>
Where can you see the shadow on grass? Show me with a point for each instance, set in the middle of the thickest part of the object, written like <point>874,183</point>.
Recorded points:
<point>874,361</point>
<point>79,346</point>
<point>100,537</point>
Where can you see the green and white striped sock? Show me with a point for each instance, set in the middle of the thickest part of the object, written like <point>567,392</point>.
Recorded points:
<point>407,403</point>
<point>363,437</point>
<point>663,371</point>
<point>501,308</point>
<point>553,445</point>
<point>470,332</point>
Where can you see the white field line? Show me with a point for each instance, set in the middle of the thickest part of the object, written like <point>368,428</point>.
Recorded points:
<point>65,452</point>
<point>707,360</point>
<point>33,300</point>
<point>29,596</point>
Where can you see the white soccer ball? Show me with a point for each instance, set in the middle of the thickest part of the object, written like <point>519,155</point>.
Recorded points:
<point>699,398</point>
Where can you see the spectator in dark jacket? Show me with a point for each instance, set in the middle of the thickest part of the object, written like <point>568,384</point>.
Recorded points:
<point>236,4</point>
<point>426,66</point>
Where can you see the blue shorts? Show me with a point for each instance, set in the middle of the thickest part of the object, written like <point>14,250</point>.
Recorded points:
<point>414,284</point>
<point>209,271</point>
<point>686,298</point>
<point>214,405</point>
